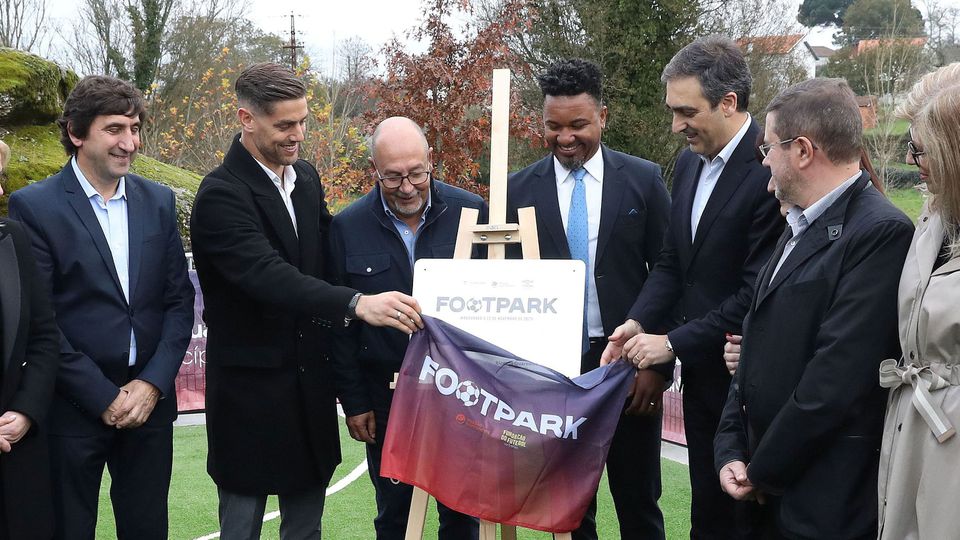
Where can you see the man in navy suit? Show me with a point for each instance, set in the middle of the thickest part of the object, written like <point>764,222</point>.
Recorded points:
<point>609,209</point>
<point>723,226</point>
<point>109,252</point>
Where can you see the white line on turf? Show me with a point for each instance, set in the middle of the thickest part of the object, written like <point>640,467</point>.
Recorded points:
<point>342,483</point>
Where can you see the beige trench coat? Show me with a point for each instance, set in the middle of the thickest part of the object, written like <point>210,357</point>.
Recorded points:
<point>919,481</point>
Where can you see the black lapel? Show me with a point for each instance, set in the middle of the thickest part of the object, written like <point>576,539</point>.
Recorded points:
<point>135,216</point>
<point>544,184</point>
<point>819,234</point>
<point>614,183</point>
<point>9,295</point>
<point>306,207</point>
<point>686,190</point>
<point>763,279</point>
<point>81,205</point>
<point>266,196</point>
<point>729,182</point>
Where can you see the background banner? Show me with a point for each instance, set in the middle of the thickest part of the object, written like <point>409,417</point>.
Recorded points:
<point>498,437</point>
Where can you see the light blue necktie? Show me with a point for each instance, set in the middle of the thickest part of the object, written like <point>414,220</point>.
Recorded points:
<point>578,239</point>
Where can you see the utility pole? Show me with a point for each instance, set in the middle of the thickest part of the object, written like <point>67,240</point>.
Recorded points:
<point>293,45</point>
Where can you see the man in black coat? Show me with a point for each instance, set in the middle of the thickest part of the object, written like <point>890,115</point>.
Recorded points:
<point>257,227</point>
<point>723,226</point>
<point>29,346</point>
<point>626,205</point>
<point>406,216</point>
<point>802,424</point>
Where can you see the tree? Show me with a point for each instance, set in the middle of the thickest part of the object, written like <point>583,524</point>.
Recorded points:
<point>818,12</point>
<point>446,89</point>
<point>873,19</point>
<point>631,42</point>
<point>22,23</point>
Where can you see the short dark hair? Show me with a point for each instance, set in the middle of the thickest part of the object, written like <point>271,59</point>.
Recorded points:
<point>826,112</point>
<point>93,96</point>
<point>572,77</point>
<point>718,63</point>
<point>261,85</point>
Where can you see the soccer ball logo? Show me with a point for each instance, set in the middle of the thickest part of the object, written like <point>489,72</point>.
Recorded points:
<point>474,305</point>
<point>468,393</point>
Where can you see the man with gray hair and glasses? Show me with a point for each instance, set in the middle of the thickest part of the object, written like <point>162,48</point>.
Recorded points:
<point>723,226</point>
<point>258,226</point>
<point>800,432</point>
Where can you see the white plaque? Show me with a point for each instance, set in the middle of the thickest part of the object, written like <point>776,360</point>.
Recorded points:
<point>532,308</point>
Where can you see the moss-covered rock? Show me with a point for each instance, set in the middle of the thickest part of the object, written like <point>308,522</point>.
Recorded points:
<point>36,153</point>
<point>32,89</point>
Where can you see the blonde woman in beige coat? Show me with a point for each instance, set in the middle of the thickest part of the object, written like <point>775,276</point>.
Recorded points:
<point>919,481</point>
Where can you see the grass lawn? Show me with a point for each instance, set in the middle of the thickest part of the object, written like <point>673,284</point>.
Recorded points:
<point>907,199</point>
<point>349,513</point>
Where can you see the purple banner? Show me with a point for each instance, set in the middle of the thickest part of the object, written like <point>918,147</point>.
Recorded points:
<point>497,437</point>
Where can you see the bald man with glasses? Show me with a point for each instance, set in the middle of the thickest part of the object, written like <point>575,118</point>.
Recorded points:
<point>375,241</point>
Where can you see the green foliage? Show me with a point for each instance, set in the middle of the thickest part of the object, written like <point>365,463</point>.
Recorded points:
<point>36,153</point>
<point>817,12</point>
<point>348,514</point>
<point>888,68</point>
<point>32,89</point>
<point>875,19</point>
<point>632,42</point>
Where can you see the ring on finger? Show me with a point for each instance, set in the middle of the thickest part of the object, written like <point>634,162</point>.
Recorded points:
<point>653,403</point>
<point>398,315</point>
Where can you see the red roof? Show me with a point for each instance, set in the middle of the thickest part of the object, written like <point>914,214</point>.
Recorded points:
<point>866,44</point>
<point>770,44</point>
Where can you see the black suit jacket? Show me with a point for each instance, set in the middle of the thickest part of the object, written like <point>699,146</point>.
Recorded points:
<point>633,217</point>
<point>701,288</point>
<point>28,362</point>
<point>75,263</point>
<point>806,408</point>
<point>271,405</point>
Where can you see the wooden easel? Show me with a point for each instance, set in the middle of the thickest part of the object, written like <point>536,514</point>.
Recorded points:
<point>495,235</point>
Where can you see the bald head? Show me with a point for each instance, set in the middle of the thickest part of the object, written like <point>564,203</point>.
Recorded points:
<point>398,136</point>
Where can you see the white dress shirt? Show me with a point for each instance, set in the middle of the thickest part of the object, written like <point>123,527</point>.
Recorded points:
<point>709,174</point>
<point>112,215</point>
<point>593,184</point>
<point>285,186</point>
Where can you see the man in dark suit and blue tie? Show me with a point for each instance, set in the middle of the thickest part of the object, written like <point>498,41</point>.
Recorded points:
<point>723,225</point>
<point>609,210</point>
<point>109,253</point>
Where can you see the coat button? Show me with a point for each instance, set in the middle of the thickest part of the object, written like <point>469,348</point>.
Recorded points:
<point>912,355</point>
<point>369,269</point>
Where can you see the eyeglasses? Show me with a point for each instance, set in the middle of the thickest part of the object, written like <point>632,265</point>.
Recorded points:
<point>765,148</point>
<point>914,153</point>
<point>415,179</point>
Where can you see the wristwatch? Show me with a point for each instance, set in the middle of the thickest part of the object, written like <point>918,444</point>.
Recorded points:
<point>352,309</point>
<point>668,345</point>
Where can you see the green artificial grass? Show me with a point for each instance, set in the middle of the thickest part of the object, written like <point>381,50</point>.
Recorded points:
<point>349,513</point>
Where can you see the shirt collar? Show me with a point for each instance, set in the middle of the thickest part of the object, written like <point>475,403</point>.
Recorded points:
<point>289,176</point>
<point>803,217</point>
<point>727,151</point>
<point>594,167</point>
<point>91,191</point>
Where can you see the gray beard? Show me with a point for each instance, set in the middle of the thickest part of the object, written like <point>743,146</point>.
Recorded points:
<point>571,164</point>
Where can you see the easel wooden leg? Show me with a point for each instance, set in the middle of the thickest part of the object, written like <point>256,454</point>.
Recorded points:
<point>417,515</point>
<point>563,536</point>
<point>508,532</point>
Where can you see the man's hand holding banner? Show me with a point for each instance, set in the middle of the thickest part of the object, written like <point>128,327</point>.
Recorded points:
<point>498,437</point>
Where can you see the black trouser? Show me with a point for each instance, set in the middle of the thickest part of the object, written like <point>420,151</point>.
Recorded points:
<point>140,462</point>
<point>712,512</point>
<point>633,471</point>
